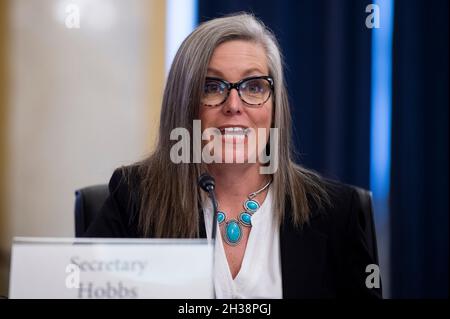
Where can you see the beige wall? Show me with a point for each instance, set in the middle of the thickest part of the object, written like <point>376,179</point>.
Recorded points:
<point>81,102</point>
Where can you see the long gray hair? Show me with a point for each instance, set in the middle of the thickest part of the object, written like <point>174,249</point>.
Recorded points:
<point>169,197</point>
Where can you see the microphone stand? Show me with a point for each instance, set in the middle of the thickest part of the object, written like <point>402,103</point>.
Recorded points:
<point>212,195</point>
<point>207,183</point>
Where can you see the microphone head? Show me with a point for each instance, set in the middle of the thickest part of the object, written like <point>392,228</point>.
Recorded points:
<point>206,182</point>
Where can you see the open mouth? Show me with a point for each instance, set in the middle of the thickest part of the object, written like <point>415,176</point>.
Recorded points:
<point>234,132</point>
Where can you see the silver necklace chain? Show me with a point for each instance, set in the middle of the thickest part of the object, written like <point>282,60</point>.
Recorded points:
<point>252,195</point>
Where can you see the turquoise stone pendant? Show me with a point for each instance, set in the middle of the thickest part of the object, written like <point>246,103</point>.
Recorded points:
<point>251,205</point>
<point>220,217</point>
<point>246,219</point>
<point>233,232</point>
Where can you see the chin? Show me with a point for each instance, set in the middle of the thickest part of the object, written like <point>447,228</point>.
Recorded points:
<point>237,156</point>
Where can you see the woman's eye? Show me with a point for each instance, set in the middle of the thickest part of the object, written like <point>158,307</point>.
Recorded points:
<point>254,87</point>
<point>213,87</point>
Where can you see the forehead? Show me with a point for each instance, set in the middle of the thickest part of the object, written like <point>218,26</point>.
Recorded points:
<point>236,59</point>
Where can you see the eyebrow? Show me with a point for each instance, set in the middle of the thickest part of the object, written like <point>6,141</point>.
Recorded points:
<point>248,72</point>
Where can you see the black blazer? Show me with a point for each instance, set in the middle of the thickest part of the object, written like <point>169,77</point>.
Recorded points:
<point>326,258</point>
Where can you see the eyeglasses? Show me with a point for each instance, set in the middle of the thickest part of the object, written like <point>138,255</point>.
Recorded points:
<point>254,91</point>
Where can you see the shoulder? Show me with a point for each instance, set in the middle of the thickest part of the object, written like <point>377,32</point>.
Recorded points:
<point>325,197</point>
<point>342,217</point>
<point>124,189</point>
<point>119,214</point>
<point>125,182</point>
<point>124,179</point>
<point>343,199</point>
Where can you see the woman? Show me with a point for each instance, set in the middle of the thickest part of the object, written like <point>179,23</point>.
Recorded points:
<point>285,233</point>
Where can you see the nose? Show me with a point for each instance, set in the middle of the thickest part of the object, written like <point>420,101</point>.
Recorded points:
<point>233,104</point>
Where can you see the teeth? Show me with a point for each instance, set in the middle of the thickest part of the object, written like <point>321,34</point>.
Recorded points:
<point>234,138</point>
<point>235,131</point>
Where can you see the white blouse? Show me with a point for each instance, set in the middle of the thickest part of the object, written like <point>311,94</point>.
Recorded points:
<point>260,273</point>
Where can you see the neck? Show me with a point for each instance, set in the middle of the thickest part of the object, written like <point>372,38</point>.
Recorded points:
<point>237,180</point>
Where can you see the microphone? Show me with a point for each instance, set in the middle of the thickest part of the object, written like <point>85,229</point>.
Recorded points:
<point>207,183</point>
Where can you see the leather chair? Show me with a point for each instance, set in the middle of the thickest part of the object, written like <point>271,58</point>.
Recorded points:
<point>367,221</point>
<point>89,201</point>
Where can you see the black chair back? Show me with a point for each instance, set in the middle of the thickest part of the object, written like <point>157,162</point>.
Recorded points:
<point>88,202</point>
<point>367,221</point>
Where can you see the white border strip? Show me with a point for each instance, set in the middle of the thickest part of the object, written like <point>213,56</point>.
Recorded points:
<point>181,19</point>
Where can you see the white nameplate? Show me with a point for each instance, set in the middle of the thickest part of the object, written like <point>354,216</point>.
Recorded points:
<point>111,268</point>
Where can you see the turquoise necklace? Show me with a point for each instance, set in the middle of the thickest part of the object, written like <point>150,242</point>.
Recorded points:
<point>233,227</point>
